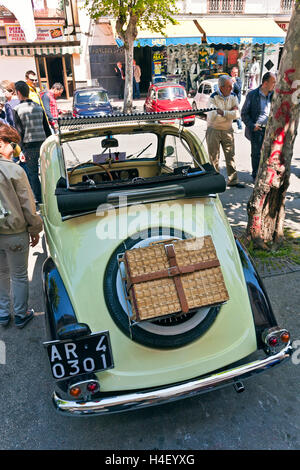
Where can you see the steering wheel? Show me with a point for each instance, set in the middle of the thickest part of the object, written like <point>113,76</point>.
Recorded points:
<point>93,164</point>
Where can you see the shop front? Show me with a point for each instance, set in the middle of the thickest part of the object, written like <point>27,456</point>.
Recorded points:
<point>167,57</point>
<point>50,54</point>
<point>196,48</point>
<point>252,45</point>
<point>210,46</point>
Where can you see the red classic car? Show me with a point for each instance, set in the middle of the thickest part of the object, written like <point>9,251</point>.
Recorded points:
<point>166,96</point>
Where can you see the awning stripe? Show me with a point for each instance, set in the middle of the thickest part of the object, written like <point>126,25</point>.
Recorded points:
<point>38,50</point>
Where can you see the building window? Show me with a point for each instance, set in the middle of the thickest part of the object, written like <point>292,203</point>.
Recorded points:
<point>42,10</point>
<point>225,6</point>
<point>286,6</point>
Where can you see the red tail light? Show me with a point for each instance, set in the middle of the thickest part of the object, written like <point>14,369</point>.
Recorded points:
<point>275,337</point>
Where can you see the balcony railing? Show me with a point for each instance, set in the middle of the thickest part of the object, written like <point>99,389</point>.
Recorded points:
<point>286,6</point>
<point>225,6</point>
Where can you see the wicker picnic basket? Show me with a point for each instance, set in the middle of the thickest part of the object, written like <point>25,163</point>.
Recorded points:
<point>173,277</point>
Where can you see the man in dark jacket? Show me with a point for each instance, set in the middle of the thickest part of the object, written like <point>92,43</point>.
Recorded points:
<point>121,79</point>
<point>255,113</point>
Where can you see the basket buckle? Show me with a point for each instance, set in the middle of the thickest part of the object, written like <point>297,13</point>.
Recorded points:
<point>173,271</point>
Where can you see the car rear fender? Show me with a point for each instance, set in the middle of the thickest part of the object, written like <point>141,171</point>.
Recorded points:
<point>61,319</point>
<point>262,311</point>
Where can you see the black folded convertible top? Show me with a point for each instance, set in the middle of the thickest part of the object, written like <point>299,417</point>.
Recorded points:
<point>80,200</point>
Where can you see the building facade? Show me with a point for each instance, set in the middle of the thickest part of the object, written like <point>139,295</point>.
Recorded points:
<point>54,53</point>
<point>211,35</point>
<point>214,34</point>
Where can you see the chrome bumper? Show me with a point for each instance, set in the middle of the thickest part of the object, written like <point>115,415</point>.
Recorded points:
<point>132,401</point>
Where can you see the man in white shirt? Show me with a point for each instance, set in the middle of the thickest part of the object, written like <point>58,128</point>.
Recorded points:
<point>219,128</point>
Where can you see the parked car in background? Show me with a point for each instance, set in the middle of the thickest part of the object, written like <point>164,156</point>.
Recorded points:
<point>112,188</point>
<point>166,96</point>
<point>205,89</point>
<point>91,101</point>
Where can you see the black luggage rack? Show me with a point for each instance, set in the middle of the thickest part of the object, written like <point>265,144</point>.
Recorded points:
<point>79,123</point>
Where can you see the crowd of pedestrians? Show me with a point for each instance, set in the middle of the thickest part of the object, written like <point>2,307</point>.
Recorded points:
<point>27,118</point>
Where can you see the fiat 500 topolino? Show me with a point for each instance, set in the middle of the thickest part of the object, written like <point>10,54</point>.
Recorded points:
<point>119,183</point>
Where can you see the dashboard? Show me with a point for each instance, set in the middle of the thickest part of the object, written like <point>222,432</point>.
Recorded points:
<point>117,175</point>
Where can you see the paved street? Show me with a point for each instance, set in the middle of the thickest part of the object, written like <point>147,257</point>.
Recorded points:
<point>265,416</point>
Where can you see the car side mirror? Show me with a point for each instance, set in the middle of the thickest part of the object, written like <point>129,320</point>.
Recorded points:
<point>169,150</point>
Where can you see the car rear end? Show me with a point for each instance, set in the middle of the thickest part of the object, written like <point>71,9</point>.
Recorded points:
<point>101,360</point>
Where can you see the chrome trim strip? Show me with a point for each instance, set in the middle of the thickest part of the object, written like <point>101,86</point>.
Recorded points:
<point>136,400</point>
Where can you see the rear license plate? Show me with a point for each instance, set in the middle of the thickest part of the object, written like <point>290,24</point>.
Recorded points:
<point>69,358</point>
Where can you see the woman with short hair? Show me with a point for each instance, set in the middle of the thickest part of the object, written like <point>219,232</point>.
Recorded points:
<point>19,225</point>
<point>11,100</point>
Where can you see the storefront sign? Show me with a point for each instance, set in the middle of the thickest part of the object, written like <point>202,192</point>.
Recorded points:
<point>246,40</point>
<point>271,55</point>
<point>45,33</point>
<point>284,26</point>
<point>159,42</point>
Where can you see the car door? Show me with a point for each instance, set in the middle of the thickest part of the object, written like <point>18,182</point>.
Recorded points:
<point>151,105</point>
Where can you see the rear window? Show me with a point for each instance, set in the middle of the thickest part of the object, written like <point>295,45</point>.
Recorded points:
<point>171,93</point>
<point>91,97</point>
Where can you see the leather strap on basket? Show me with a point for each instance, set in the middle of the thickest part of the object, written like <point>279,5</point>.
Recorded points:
<point>174,271</point>
<point>170,252</point>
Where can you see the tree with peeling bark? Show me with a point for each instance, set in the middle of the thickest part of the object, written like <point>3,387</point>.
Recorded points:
<point>130,16</point>
<point>266,207</point>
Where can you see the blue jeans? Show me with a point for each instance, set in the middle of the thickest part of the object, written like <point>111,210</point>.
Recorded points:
<point>14,251</point>
<point>32,154</point>
<point>257,138</point>
<point>136,89</point>
<point>21,164</point>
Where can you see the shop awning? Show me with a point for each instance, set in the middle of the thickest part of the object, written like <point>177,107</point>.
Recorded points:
<point>38,50</point>
<point>185,32</point>
<point>241,31</point>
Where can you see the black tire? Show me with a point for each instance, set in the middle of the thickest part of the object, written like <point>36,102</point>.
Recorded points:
<point>163,334</point>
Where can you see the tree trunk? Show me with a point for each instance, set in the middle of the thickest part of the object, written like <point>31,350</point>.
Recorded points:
<point>266,207</point>
<point>128,36</point>
<point>128,91</point>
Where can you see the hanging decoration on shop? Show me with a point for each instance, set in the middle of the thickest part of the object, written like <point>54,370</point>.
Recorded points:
<point>24,13</point>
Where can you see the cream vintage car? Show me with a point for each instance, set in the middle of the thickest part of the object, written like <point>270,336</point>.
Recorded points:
<point>119,183</point>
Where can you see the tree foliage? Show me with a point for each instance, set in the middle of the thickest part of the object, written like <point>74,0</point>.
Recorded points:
<point>131,15</point>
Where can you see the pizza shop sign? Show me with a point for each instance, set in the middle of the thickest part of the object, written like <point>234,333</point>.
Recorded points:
<point>45,33</point>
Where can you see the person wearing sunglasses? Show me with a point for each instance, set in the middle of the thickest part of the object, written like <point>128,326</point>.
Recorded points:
<point>32,81</point>
<point>20,226</point>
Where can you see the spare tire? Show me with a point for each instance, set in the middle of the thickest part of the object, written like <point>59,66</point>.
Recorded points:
<point>167,333</point>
